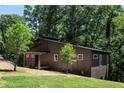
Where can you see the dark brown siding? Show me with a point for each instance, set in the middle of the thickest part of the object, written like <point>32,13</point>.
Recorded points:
<point>55,48</point>
<point>88,65</point>
<point>43,58</point>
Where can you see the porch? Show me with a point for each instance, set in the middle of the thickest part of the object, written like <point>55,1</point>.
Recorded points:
<point>33,60</point>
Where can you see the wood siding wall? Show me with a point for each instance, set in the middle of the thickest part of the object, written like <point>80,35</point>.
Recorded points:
<point>89,66</point>
<point>55,48</point>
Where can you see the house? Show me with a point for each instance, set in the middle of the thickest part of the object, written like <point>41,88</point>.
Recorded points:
<point>90,62</point>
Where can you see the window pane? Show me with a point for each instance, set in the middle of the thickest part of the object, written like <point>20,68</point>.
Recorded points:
<point>95,56</point>
<point>80,57</point>
<point>95,60</point>
<point>55,57</point>
<point>104,61</point>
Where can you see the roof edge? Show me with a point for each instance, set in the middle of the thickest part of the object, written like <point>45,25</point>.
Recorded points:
<point>93,49</point>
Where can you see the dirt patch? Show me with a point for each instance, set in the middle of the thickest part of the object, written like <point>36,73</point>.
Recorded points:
<point>43,72</point>
<point>6,65</point>
<point>22,71</point>
<point>37,72</point>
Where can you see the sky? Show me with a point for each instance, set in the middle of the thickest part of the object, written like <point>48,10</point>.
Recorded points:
<point>12,9</point>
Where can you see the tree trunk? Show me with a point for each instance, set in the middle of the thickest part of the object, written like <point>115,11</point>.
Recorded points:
<point>16,60</point>
<point>15,67</point>
<point>67,69</point>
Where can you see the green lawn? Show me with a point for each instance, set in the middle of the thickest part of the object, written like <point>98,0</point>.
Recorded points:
<point>56,82</point>
<point>33,78</point>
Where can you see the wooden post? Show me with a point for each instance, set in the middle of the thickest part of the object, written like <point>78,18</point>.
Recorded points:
<point>39,62</point>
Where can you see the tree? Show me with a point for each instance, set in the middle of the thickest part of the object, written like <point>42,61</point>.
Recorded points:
<point>1,43</point>
<point>117,48</point>
<point>6,21</point>
<point>76,19</point>
<point>68,54</point>
<point>43,19</point>
<point>18,40</point>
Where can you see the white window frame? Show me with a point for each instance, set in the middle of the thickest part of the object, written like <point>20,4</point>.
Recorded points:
<point>55,60</point>
<point>95,57</point>
<point>78,57</point>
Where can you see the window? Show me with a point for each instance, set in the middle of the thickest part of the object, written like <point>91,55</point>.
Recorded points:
<point>95,56</point>
<point>80,57</point>
<point>95,61</point>
<point>55,57</point>
<point>104,60</point>
<point>32,56</point>
<point>27,55</point>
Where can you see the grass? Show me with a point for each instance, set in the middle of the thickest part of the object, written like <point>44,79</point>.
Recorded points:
<point>32,78</point>
<point>57,82</point>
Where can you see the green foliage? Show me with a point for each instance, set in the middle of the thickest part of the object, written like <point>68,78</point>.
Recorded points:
<point>18,38</point>
<point>119,21</point>
<point>68,23</point>
<point>6,21</point>
<point>1,42</point>
<point>117,48</point>
<point>44,20</point>
<point>68,54</point>
<point>0,38</point>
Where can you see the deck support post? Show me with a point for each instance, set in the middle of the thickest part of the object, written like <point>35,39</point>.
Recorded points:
<point>39,62</point>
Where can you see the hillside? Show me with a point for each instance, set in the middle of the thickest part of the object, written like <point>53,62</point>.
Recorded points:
<point>56,82</point>
<point>31,78</point>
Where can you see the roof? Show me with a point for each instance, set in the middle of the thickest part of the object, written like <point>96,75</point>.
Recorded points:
<point>93,49</point>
